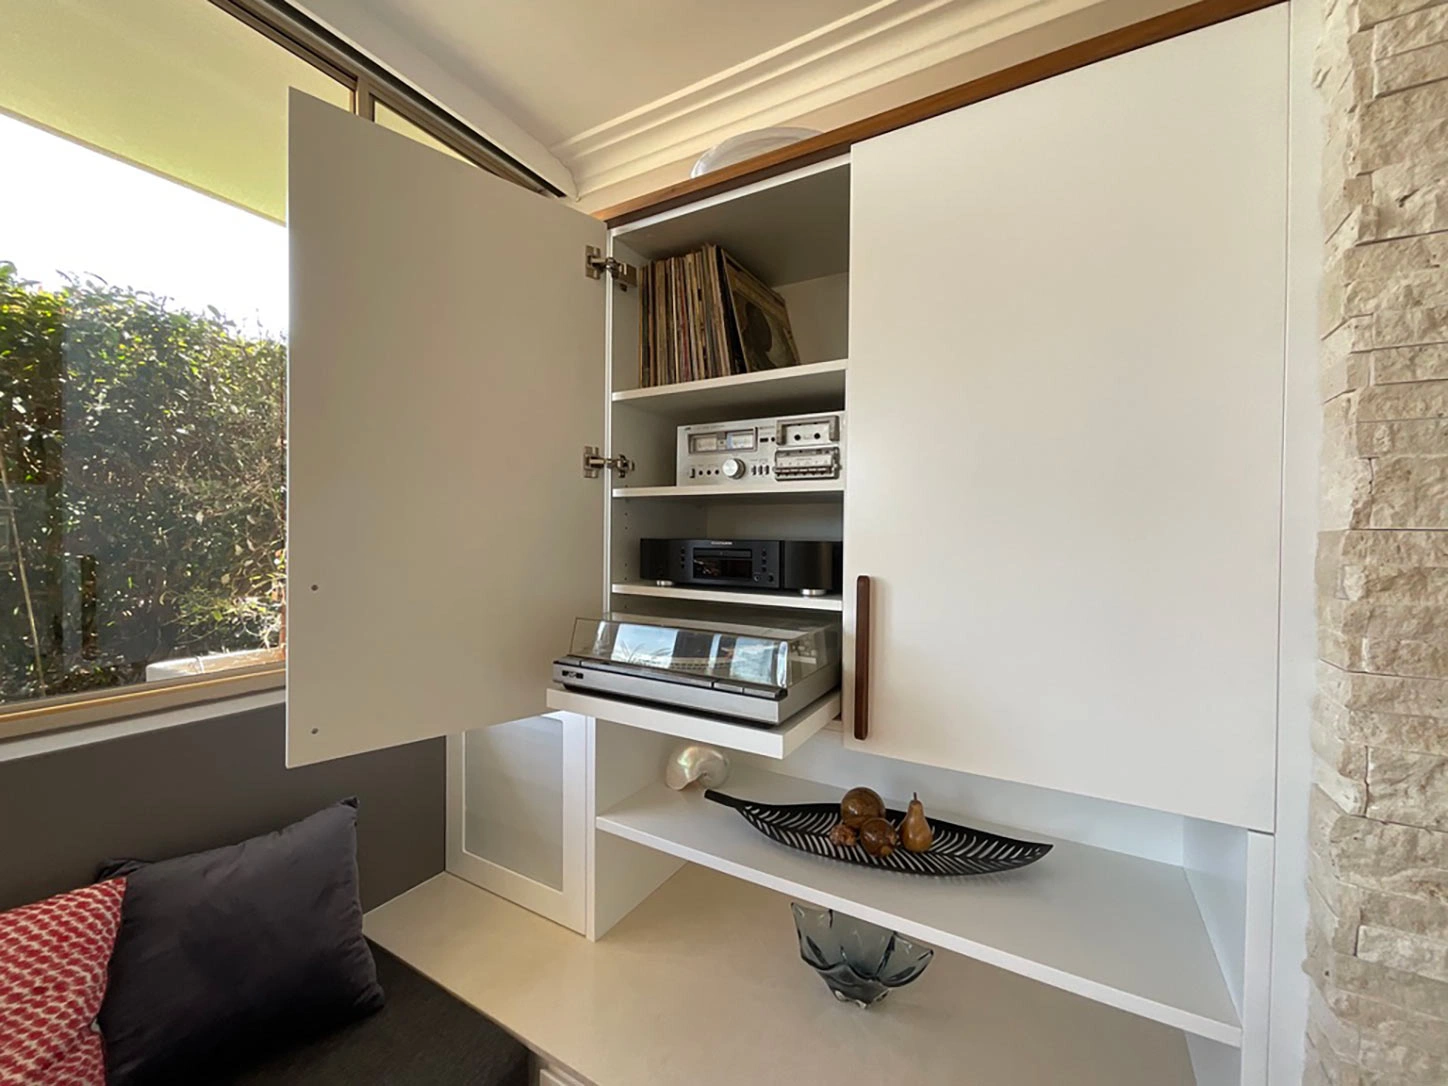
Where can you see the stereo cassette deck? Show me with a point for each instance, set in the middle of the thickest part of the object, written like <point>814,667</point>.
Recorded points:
<point>783,450</point>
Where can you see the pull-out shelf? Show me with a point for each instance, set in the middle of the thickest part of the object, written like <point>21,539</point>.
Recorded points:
<point>777,742</point>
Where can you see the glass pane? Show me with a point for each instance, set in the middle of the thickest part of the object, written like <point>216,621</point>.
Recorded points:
<point>142,342</point>
<point>513,797</point>
<point>178,86</point>
<point>388,118</point>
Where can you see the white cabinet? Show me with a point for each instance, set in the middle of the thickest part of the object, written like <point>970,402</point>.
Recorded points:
<point>1063,315</point>
<point>1065,397</point>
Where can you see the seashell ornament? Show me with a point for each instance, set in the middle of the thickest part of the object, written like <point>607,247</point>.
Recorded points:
<point>696,763</point>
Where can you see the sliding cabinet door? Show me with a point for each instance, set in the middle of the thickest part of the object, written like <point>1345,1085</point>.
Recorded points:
<point>1065,397</point>
<point>446,370</point>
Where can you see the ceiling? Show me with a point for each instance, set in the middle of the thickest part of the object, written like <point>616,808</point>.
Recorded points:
<point>608,100</point>
<point>562,67</point>
<point>212,115</point>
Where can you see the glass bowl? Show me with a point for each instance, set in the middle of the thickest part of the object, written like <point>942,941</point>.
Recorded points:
<point>859,962</point>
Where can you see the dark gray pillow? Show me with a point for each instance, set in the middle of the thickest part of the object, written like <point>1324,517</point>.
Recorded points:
<point>226,951</point>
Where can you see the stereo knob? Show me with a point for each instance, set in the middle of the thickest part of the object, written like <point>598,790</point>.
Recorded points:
<point>732,468</point>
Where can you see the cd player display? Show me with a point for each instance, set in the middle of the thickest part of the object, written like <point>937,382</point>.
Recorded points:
<point>810,567</point>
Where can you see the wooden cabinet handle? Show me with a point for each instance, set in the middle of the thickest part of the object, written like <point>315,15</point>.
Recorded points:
<point>862,657</point>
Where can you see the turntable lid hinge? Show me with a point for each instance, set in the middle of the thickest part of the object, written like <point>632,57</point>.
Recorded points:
<point>594,462</point>
<point>595,265</point>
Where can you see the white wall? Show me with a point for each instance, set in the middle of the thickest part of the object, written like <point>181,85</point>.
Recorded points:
<point>1299,545</point>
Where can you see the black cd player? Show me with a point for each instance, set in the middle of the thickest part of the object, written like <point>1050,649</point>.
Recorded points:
<point>809,567</point>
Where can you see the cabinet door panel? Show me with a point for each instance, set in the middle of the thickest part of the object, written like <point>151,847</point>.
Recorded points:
<point>446,368</point>
<point>1065,403</point>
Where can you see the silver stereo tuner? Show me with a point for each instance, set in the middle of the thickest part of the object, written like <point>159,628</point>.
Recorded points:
<point>784,450</point>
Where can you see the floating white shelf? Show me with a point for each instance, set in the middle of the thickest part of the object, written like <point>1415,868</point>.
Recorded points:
<point>777,742</point>
<point>1111,927</point>
<point>818,385</point>
<point>782,600</point>
<point>825,491</point>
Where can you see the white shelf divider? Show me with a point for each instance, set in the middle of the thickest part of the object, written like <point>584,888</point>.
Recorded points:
<point>825,490</point>
<point>773,392</point>
<point>779,742</point>
<point>742,597</point>
<point>1111,927</point>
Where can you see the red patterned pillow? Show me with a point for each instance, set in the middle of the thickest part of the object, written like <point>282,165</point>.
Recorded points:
<point>53,958</point>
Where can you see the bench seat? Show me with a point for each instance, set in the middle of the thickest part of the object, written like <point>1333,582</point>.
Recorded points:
<point>421,1037</point>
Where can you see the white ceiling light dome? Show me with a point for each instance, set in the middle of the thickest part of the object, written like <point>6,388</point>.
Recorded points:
<point>747,145</point>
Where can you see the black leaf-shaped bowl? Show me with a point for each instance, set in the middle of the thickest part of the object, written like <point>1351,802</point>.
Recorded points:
<point>955,850</point>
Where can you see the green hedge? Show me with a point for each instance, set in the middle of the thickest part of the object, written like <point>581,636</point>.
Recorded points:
<point>145,451</point>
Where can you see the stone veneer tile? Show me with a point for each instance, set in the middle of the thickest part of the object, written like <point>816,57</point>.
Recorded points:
<point>1406,327</point>
<point>1406,198</point>
<point>1406,787</point>
<point>1396,731</point>
<point>1397,73</point>
<point>1404,550</point>
<point>1370,12</point>
<point>1394,912</point>
<point>1394,859</point>
<point>1406,290</point>
<point>1384,693</point>
<point>1403,127</point>
<point>1406,657</point>
<point>1405,365</point>
<point>1392,259</point>
<point>1403,952</point>
<point>1409,492</point>
<point>1417,30</point>
<point>1372,618</point>
<point>1404,438</point>
<point>1414,400</point>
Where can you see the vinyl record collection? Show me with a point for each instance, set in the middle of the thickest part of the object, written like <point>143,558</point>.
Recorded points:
<point>704,315</point>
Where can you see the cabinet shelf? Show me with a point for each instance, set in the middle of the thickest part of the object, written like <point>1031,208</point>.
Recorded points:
<point>817,386</point>
<point>1111,927</point>
<point>826,491</point>
<point>742,597</point>
<point>779,742</point>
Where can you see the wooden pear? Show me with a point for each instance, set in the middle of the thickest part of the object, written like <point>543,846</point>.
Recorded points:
<point>915,833</point>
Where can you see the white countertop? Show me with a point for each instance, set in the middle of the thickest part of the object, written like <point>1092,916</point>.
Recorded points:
<point>702,986</point>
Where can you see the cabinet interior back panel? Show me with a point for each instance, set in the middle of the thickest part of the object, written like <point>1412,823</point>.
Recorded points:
<point>1065,402</point>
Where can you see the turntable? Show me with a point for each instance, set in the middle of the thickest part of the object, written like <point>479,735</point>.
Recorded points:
<point>761,673</point>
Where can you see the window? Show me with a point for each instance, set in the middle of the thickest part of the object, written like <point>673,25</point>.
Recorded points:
<point>391,119</point>
<point>143,295</point>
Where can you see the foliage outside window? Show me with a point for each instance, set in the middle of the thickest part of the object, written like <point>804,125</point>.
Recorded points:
<point>144,494</point>
<point>142,362</point>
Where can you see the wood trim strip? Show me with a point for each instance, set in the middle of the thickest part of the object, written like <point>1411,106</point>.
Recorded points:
<point>860,717</point>
<point>107,706</point>
<point>1114,43</point>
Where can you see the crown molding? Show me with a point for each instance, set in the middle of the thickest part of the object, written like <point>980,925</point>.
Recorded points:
<point>879,44</point>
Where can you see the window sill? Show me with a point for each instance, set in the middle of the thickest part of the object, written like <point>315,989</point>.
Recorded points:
<point>96,721</point>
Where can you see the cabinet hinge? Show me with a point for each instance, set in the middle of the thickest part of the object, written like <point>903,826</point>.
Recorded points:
<point>594,462</point>
<point>595,264</point>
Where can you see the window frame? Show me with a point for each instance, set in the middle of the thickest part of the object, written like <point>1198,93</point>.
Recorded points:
<point>369,85</point>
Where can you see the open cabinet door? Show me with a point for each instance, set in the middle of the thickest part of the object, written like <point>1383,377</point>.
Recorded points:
<point>446,370</point>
